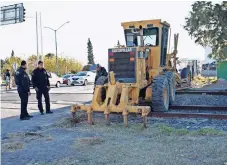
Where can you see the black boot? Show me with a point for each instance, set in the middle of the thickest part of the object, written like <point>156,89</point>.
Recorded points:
<point>25,118</point>
<point>49,112</point>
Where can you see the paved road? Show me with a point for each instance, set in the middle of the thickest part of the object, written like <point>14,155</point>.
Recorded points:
<point>59,97</point>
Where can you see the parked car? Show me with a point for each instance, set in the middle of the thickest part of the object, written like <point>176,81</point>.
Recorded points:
<point>82,78</point>
<point>55,80</point>
<point>66,77</point>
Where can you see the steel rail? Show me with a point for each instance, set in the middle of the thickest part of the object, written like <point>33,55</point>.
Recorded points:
<point>199,107</point>
<point>187,115</point>
<point>202,92</point>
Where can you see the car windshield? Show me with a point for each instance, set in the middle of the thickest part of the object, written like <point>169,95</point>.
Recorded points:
<point>66,76</point>
<point>81,74</point>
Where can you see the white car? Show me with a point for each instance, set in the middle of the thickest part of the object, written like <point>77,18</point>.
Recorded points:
<point>82,78</point>
<point>55,80</point>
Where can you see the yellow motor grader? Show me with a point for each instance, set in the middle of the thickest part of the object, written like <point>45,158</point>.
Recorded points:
<point>142,75</point>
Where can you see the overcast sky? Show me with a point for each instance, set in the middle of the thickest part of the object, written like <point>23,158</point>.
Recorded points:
<point>99,21</point>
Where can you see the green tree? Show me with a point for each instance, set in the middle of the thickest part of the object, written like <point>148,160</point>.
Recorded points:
<point>86,67</point>
<point>207,25</point>
<point>9,62</point>
<point>31,63</point>
<point>90,54</point>
<point>50,55</point>
<point>2,63</point>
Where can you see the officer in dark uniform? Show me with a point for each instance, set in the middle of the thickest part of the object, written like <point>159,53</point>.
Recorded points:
<point>41,83</point>
<point>22,81</point>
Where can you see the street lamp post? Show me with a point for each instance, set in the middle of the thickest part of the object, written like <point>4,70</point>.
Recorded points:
<point>56,45</point>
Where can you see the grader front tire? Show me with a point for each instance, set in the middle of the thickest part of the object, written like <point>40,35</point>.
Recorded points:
<point>160,94</point>
<point>172,86</point>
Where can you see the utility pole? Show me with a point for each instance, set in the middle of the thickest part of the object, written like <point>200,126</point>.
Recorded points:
<point>37,37</point>
<point>41,35</point>
<point>56,45</point>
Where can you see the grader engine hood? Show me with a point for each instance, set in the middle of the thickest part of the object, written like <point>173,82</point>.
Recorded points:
<point>122,61</point>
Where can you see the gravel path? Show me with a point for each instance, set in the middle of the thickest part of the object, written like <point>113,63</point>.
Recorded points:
<point>165,142</point>
<point>54,140</point>
<point>189,99</point>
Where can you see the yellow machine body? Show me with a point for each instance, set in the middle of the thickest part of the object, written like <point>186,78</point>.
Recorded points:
<point>133,71</point>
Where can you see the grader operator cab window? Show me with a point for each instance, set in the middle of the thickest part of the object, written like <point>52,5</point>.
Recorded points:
<point>150,37</point>
<point>131,37</point>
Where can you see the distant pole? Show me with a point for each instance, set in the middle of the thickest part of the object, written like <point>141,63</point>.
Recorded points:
<point>37,37</point>
<point>41,35</point>
<point>56,46</point>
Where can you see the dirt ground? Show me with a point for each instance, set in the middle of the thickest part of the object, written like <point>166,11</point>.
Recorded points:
<point>164,142</point>
<point>55,140</point>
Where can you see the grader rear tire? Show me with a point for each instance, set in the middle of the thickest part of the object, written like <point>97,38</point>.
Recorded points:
<point>172,86</point>
<point>160,94</point>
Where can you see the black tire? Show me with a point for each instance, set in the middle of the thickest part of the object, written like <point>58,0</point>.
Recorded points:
<point>160,94</point>
<point>172,86</point>
<point>58,84</point>
<point>85,82</point>
<point>101,80</point>
<point>186,73</point>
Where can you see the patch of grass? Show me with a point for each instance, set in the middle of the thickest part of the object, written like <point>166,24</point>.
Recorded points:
<point>64,123</point>
<point>166,129</point>
<point>90,141</point>
<point>12,147</point>
<point>207,132</point>
<point>68,122</point>
<point>85,142</point>
<point>181,132</point>
<point>24,136</point>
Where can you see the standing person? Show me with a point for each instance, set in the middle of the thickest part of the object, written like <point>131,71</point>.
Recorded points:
<point>23,87</point>
<point>100,71</point>
<point>41,83</point>
<point>7,78</point>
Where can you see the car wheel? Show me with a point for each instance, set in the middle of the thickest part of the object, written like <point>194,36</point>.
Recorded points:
<point>85,82</point>
<point>68,82</point>
<point>58,84</point>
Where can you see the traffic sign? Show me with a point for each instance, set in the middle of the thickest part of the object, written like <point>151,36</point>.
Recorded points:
<point>12,14</point>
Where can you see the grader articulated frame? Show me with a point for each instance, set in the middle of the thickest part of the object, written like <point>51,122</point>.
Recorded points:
<point>142,75</point>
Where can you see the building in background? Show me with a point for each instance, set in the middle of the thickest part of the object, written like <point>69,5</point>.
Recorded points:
<point>208,65</point>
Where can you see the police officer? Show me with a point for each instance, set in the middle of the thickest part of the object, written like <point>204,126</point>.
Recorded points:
<point>22,81</point>
<point>100,71</point>
<point>41,83</point>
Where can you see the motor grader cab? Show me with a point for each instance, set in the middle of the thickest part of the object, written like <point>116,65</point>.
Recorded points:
<point>142,74</point>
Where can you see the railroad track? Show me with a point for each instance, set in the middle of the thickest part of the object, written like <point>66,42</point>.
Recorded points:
<point>201,92</point>
<point>180,111</point>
